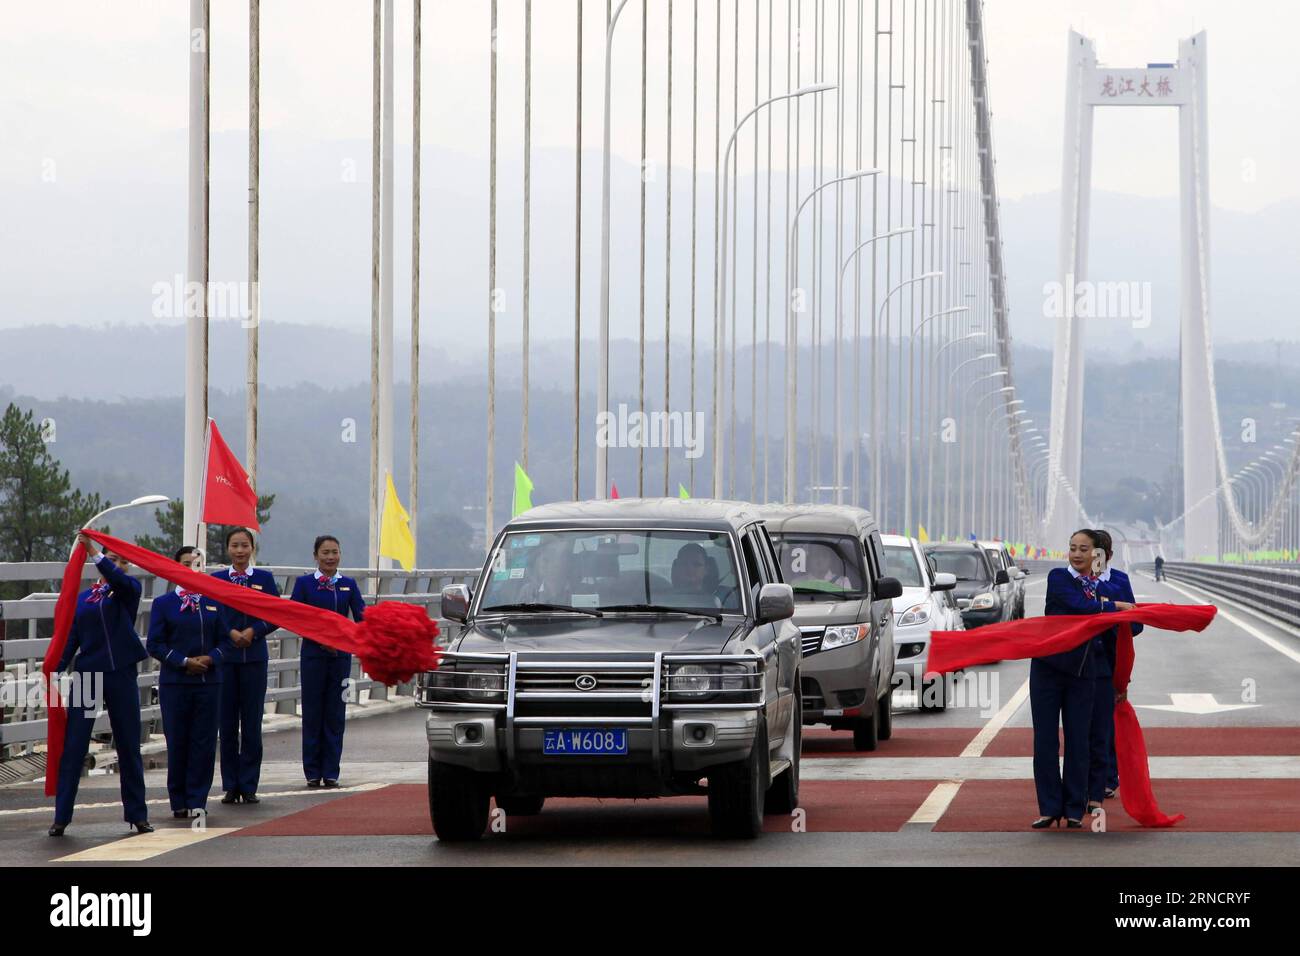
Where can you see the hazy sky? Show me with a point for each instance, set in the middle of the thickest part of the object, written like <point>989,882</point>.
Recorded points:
<point>84,80</point>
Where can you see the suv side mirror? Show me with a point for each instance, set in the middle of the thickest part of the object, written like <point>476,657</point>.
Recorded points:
<point>944,581</point>
<point>455,602</point>
<point>1001,578</point>
<point>775,603</point>
<point>890,588</point>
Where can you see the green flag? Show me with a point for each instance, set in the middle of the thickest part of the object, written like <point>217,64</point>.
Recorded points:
<point>682,492</point>
<point>523,491</point>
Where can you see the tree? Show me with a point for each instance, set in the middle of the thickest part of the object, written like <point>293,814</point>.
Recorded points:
<point>39,509</point>
<point>171,520</point>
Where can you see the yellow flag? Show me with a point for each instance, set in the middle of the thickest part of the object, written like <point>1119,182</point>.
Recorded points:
<point>523,491</point>
<point>395,540</point>
<point>921,535</point>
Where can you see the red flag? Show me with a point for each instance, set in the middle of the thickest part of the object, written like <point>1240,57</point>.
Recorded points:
<point>613,490</point>
<point>228,498</point>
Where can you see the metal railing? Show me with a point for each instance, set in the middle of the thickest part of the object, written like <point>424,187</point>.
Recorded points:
<point>22,714</point>
<point>1273,590</point>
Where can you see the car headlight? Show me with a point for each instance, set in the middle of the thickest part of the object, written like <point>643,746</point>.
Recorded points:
<point>843,635</point>
<point>692,680</point>
<point>985,601</point>
<point>483,685</point>
<point>916,614</point>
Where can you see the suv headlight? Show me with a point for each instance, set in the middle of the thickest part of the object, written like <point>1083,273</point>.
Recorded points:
<point>916,614</point>
<point>985,601</point>
<point>691,680</point>
<point>483,684</point>
<point>843,635</point>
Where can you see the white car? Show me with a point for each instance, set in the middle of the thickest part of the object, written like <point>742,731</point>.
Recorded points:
<point>925,605</point>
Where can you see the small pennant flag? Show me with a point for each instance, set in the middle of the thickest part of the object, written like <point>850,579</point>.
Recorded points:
<point>395,539</point>
<point>682,492</point>
<point>613,490</point>
<point>523,491</point>
<point>922,535</point>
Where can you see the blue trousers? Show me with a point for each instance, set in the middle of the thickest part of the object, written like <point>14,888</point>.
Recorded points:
<point>323,714</point>
<point>1103,770</point>
<point>1058,698</point>
<point>122,700</point>
<point>243,699</point>
<point>189,713</point>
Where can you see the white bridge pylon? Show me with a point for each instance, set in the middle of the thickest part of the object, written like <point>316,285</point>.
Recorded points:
<point>1181,85</point>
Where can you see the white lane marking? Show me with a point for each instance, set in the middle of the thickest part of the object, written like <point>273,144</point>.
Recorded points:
<point>1200,704</point>
<point>940,798</point>
<point>146,846</point>
<point>954,771</point>
<point>1250,629</point>
<point>359,788</point>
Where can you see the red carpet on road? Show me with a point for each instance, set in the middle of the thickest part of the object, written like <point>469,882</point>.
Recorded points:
<point>1175,742</point>
<point>1216,806</point>
<point>925,742</point>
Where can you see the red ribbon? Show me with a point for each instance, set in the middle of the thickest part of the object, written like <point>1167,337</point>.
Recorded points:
<point>1040,636</point>
<point>394,642</point>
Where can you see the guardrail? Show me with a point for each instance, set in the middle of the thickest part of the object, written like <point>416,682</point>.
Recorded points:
<point>1271,589</point>
<point>23,719</point>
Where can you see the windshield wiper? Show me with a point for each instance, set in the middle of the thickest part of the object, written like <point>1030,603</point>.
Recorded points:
<point>529,606</point>
<point>663,609</point>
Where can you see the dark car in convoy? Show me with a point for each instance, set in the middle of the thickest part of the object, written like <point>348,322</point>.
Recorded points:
<point>833,558</point>
<point>624,648</point>
<point>980,586</point>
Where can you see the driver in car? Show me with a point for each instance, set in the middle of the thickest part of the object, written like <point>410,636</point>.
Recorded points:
<point>692,576</point>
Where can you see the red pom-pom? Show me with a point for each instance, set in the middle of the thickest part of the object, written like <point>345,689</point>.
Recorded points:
<point>397,642</point>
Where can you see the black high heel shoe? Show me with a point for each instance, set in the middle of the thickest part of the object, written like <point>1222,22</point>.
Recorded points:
<point>142,826</point>
<point>1073,824</point>
<point>1044,823</point>
<point>56,829</point>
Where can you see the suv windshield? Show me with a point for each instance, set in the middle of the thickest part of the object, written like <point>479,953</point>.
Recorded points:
<point>966,565</point>
<point>900,562</point>
<point>821,567</point>
<point>625,569</point>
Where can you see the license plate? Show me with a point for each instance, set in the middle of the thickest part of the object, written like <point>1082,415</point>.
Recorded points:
<point>584,743</point>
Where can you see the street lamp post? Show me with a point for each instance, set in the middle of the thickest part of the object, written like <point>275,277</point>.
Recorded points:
<point>133,503</point>
<point>972,418</point>
<point>720,320</point>
<point>907,470</point>
<point>792,335</point>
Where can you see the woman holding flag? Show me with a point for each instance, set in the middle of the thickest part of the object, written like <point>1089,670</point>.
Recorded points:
<point>1062,689</point>
<point>243,678</point>
<point>190,638</point>
<point>325,670</point>
<point>103,646</point>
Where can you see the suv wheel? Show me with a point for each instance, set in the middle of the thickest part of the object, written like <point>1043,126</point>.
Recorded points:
<point>458,802</point>
<point>520,804</point>
<point>736,792</point>
<point>783,795</point>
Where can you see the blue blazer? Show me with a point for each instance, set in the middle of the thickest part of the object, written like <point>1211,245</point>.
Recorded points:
<point>1118,588</point>
<point>103,635</point>
<point>259,579</point>
<point>345,598</point>
<point>1093,658</point>
<point>175,635</point>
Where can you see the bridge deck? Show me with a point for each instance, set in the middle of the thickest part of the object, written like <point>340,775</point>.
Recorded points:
<point>954,787</point>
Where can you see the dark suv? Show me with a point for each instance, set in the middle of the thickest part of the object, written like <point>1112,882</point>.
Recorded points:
<point>980,586</point>
<point>624,648</point>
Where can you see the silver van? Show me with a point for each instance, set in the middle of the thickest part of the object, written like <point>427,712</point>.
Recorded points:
<point>833,558</point>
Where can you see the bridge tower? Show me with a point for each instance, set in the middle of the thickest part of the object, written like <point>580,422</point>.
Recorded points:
<point>1088,86</point>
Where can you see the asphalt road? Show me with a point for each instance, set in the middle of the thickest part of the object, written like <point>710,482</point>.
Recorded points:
<point>1221,711</point>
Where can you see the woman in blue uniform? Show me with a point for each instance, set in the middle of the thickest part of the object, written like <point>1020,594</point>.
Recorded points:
<point>325,670</point>
<point>243,675</point>
<point>1062,690</point>
<point>104,648</point>
<point>189,637</point>
<point>1103,775</point>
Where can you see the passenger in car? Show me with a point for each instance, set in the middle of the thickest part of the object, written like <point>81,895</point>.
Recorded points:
<point>550,579</point>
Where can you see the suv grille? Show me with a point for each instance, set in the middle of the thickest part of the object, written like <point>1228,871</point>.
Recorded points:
<point>812,639</point>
